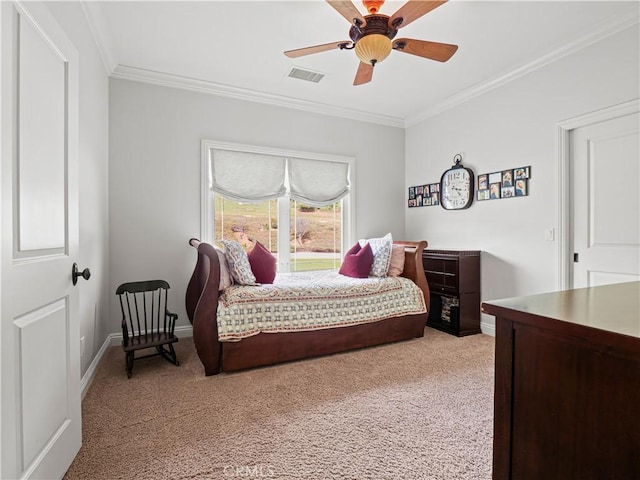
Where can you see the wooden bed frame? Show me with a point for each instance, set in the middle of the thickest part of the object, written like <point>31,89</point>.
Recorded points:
<point>270,348</point>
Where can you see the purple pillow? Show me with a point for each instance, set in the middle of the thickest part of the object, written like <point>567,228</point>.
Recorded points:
<point>357,261</point>
<point>263,263</point>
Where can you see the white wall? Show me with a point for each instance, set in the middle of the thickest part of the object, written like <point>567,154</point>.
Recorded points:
<point>154,173</point>
<point>93,174</point>
<point>511,126</point>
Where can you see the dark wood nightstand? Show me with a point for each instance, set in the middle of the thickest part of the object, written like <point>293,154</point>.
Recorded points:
<point>454,281</point>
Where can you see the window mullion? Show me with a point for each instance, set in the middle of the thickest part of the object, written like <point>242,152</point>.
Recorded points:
<point>284,254</point>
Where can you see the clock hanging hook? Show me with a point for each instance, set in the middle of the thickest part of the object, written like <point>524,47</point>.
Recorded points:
<point>457,158</point>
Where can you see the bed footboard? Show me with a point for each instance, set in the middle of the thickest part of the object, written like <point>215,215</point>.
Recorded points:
<point>413,267</point>
<point>202,306</point>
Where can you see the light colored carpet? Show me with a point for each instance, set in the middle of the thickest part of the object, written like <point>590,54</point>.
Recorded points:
<point>421,409</point>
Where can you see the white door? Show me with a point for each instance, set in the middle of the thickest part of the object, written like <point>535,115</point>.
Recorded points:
<point>605,180</point>
<point>40,370</point>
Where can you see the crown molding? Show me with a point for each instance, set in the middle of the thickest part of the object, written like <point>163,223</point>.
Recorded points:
<point>607,30</point>
<point>187,83</point>
<point>100,32</point>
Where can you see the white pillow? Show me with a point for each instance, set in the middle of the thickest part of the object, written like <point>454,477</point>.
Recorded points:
<point>226,280</point>
<point>238,263</point>
<point>381,248</point>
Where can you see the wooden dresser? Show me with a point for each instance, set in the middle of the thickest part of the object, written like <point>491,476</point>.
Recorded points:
<point>567,384</point>
<point>454,282</point>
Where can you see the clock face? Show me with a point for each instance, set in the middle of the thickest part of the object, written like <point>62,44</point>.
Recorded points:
<point>456,188</point>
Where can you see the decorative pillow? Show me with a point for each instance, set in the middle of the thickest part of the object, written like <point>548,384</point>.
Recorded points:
<point>357,261</point>
<point>381,248</point>
<point>226,280</point>
<point>263,263</point>
<point>238,263</point>
<point>396,265</point>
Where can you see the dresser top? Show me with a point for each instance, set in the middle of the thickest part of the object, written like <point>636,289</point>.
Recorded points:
<point>452,253</point>
<point>612,308</point>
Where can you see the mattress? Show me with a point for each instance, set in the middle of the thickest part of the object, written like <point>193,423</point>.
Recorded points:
<point>314,300</point>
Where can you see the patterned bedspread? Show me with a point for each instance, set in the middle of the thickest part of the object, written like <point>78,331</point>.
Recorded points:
<point>312,301</point>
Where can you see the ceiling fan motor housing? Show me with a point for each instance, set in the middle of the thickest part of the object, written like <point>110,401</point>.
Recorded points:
<point>375,24</point>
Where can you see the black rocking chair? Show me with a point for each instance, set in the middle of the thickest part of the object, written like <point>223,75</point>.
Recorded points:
<point>146,322</point>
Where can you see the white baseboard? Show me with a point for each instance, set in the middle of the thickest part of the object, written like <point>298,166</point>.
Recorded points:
<point>181,332</point>
<point>112,340</point>
<point>488,328</point>
<point>87,378</point>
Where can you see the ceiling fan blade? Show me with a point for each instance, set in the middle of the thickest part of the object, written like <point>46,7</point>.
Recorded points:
<point>364,74</point>
<point>300,52</point>
<point>412,10</point>
<point>422,48</point>
<point>348,10</point>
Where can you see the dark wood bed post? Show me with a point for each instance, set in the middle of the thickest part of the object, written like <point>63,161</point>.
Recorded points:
<point>413,268</point>
<point>202,306</point>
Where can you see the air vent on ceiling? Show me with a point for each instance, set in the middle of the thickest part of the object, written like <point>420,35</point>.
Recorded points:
<point>308,75</point>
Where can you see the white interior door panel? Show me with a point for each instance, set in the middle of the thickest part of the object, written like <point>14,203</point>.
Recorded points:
<point>40,369</point>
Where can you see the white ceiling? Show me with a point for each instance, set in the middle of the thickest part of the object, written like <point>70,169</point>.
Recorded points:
<point>235,48</point>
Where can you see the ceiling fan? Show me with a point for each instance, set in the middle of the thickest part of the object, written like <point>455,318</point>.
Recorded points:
<point>373,35</point>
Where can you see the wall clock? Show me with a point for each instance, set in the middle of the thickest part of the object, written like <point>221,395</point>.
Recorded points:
<point>456,187</point>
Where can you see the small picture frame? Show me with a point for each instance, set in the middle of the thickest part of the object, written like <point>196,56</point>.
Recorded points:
<point>412,194</point>
<point>483,182</point>
<point>434,187</point>
<point>520,188</point>
<point>507,178</point>
<point>494,191</point>
<point>483,194</point>
<point>507,192</point>
<point>412,203</point>
<point>521,173</point>
<point>495,177</point>
<point>419,190</point>
<point>435,198</point>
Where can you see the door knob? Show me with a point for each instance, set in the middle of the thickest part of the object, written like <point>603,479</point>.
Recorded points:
<point>86,274</point>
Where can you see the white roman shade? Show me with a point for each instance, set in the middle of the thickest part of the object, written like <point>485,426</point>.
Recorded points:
<point>247,177</point>
<point>317,183</point>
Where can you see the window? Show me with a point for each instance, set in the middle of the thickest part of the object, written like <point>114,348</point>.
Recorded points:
<point>314,234</point>
<point>279,198</point>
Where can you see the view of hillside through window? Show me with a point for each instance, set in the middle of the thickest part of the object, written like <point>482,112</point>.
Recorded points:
<point>315,233</point>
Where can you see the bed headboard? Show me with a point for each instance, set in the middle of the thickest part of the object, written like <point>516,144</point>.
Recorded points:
<point>201,301</point>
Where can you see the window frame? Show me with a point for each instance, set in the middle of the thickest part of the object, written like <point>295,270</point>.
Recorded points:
<point>207,209</point>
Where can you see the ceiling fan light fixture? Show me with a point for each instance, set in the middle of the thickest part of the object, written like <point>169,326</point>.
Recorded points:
<point>373,48</point>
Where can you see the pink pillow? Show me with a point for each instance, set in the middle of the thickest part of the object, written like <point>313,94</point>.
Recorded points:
<point>263,263</point>
<point>396,266</point>
<point>357,261</point>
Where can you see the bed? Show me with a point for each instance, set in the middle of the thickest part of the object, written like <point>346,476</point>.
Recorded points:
<point>257,347</point>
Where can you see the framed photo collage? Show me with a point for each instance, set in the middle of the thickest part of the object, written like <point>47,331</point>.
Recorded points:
<point>504,184</point>
<point>424,195</point>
